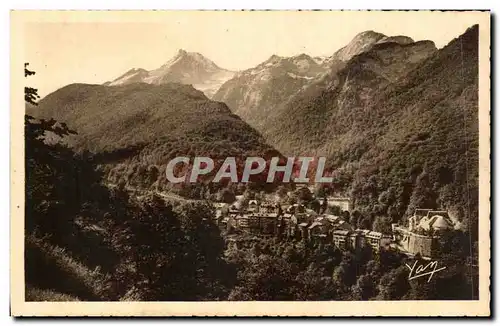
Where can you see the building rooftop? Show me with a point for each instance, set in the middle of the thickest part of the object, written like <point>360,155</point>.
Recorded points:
<point>332,217</point>
<point>363,231</point>
<point>341,232</point>
<point>315,224</point>
<point>374,234</point>
<point>338,198</point>
<point>432,213</point>
<point>439,222</point>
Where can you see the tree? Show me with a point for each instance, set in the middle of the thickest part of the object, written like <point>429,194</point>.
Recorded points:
<point>394,285</point>
<point>265,278</point>
<point>382,224</point>
<point>324,206</point>
<point>226,196</point>
<point>303,195</point>
<point>176,253</point>
<point>315,205</point>
<point>355,217</point>
<point>61,186</point>
<point>365,223</point>
<point>152,250</point>
<point>313,285</point>
<point>364,288</point>
<point>57,181</point>
<point>335,210</point>
<point>423,194</point>
<point>282,191</point>
<point>320,192</point>
<point>30,94</point>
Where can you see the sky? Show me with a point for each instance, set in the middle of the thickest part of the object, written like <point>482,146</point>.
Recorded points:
<point>94,47</point>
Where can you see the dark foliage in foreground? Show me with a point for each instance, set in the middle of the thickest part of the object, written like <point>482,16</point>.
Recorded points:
<point>87,242</point>
<point>280,270</point>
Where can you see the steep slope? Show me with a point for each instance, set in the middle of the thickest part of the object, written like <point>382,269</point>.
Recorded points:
<point>425,137</point>
<point>359,44</point>
<point>134,75</point>
<point>335,107</point>
<point>186,68</point>
<point>259,93</point>
<point>399,123</point>
<point>253,93</point>
<point>138,128</point>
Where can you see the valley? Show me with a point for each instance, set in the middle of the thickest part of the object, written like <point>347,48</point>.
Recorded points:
<point>395,119</point>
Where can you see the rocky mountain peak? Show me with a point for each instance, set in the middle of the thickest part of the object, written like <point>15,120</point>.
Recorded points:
<point>369,35</point>
<point>273,59</point>
<point>190,59</point>
<point>303,56</point>
<point>186,68</point>
<point>360,43</point>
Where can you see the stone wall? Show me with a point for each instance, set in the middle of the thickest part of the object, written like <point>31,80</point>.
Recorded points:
<point>421,244</point>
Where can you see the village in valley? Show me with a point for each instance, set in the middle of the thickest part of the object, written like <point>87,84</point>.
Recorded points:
<point>322,169</point>
<point>328,222</point>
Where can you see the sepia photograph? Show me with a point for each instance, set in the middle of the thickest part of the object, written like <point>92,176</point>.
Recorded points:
<point>250,163</point>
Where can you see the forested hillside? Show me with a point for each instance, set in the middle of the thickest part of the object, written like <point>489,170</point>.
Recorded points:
<point>399,123</point>
<point>135,130</point>
<point>86,242</point>
<point>396,119</point>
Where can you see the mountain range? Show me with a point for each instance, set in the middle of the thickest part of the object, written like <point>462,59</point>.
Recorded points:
<point>398,122</point>
<point>186,68</point>
<point>335,105</point>
<point>262,92</point>
<point>396,118</point>
<point>254,93</point>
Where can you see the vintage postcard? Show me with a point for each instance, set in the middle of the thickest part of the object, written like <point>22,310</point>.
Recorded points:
<point>250,163</point>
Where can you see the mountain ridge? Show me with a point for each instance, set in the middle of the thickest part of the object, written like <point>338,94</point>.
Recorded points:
<point>258,94</point>
<point>269,83</point>
<point>185,67</point>
<point>389,118</point>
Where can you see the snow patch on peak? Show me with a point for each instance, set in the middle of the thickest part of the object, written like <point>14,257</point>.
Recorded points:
<point>133,75</point>
<point>189,68</point>
<point>320,59</point>
<point>295,76</point>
